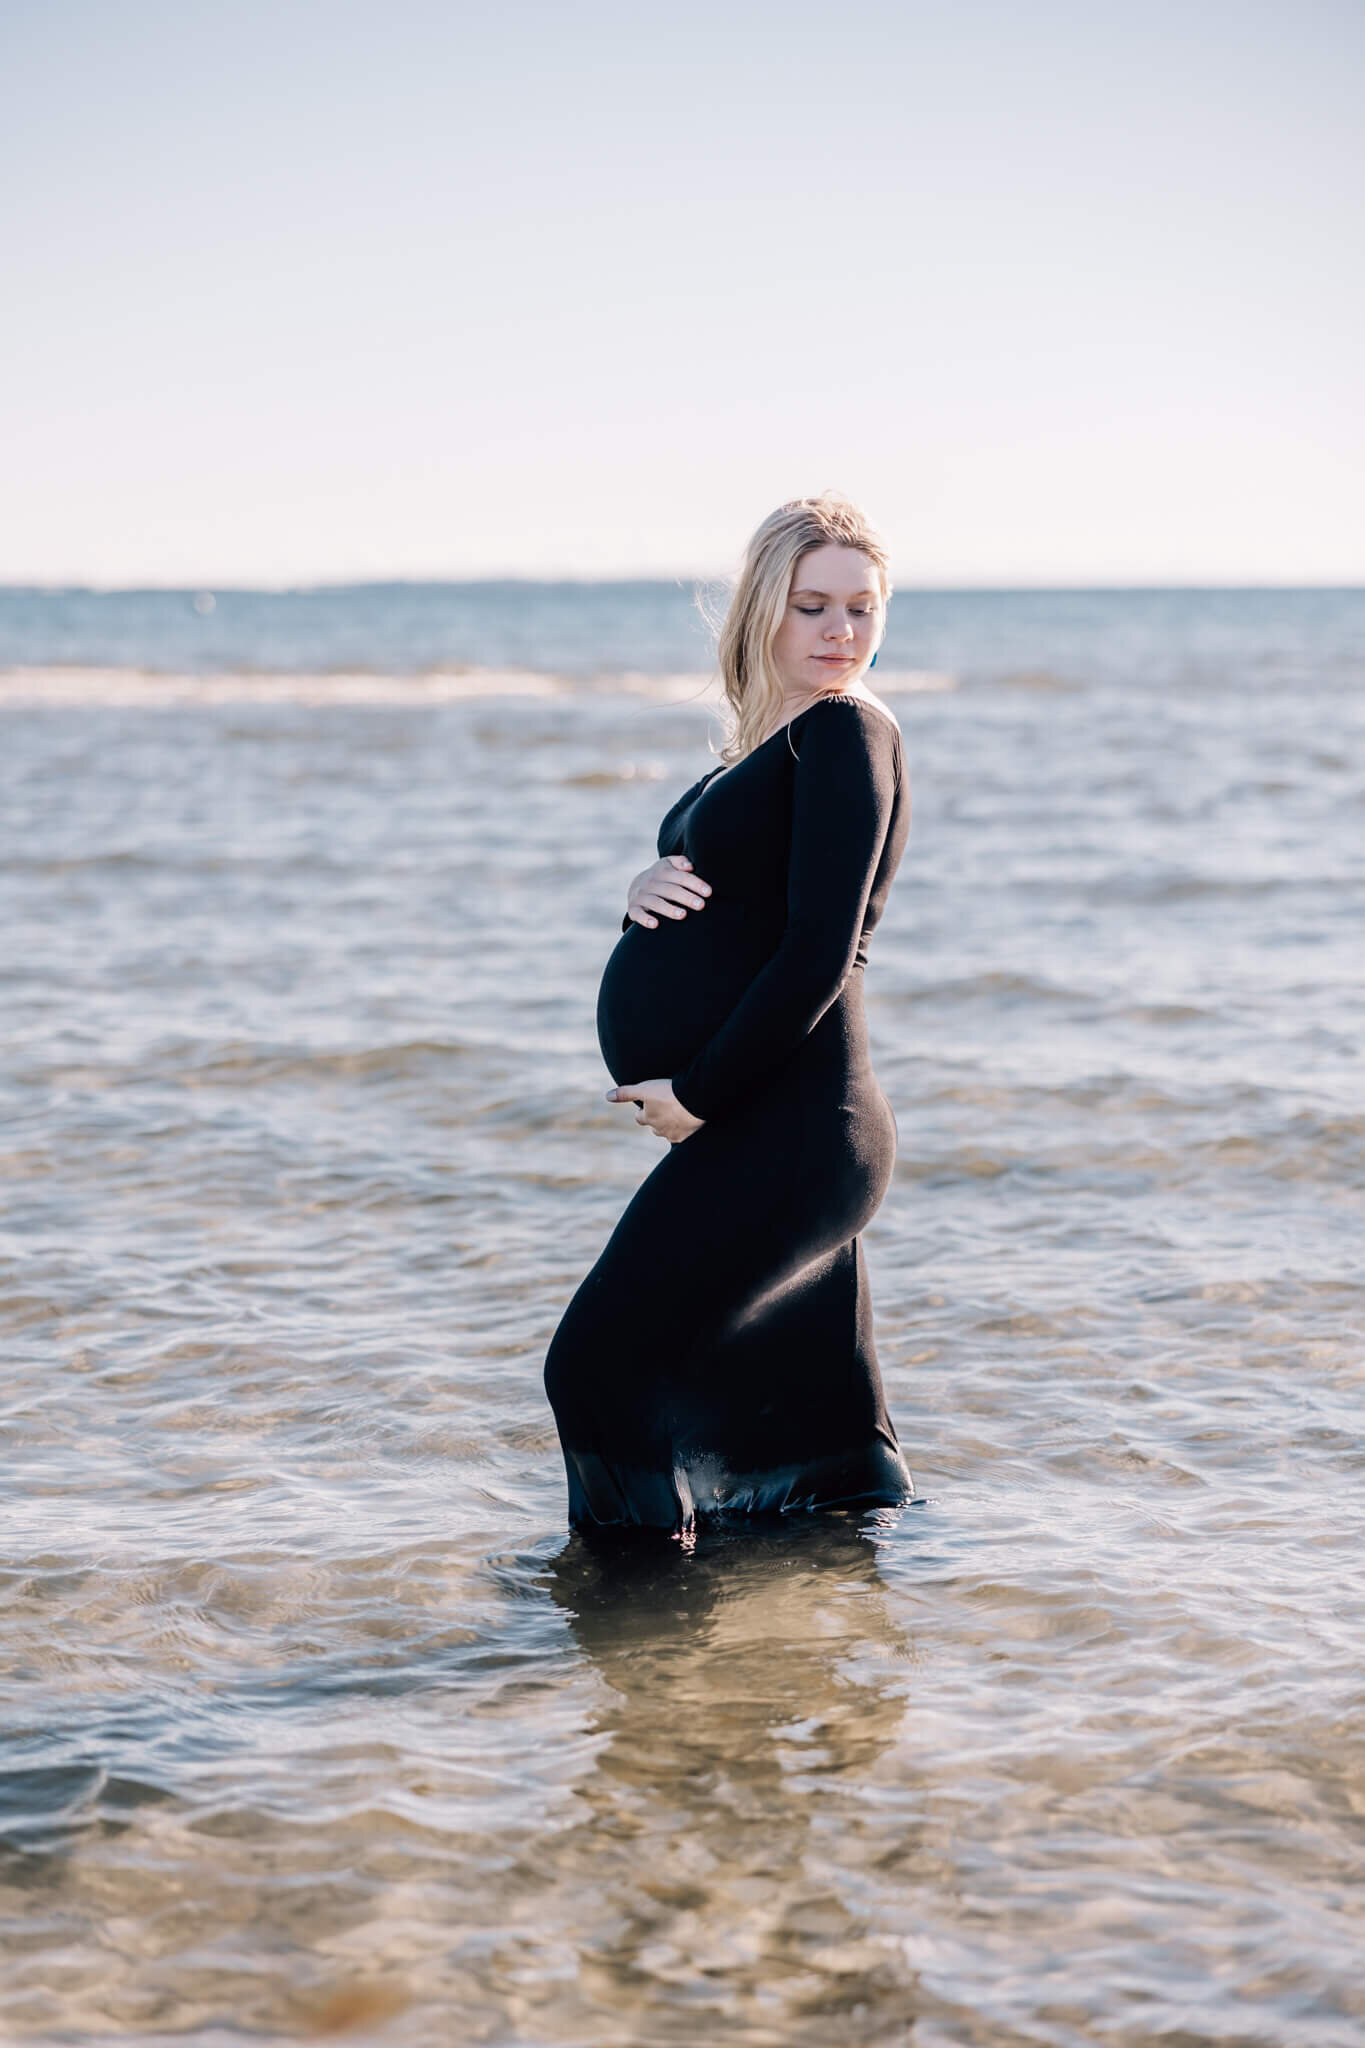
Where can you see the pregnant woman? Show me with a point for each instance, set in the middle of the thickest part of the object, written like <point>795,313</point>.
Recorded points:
<point>719,1355</point>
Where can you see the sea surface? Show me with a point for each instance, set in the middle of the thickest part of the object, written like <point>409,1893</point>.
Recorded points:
<point>314,1720</point>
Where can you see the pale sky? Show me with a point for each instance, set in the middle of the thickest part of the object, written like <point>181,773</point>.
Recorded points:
<point>1064,293</point>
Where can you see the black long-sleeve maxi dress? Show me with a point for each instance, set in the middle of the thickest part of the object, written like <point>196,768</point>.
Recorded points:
<point>719,1355</point>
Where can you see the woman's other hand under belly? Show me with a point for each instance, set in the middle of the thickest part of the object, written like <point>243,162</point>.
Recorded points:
<point>660,1110</point>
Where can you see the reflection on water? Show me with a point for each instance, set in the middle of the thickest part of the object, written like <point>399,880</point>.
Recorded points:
<point>745,1686</point>
<point>314,1718</point>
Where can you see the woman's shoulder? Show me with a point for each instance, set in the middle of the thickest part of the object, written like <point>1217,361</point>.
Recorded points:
<point>858,710</point>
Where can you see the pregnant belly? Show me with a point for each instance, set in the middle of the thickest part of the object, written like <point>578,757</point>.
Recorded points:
<point>666,992</point>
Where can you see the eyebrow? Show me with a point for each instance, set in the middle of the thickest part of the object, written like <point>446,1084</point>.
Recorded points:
<point>825,593</point>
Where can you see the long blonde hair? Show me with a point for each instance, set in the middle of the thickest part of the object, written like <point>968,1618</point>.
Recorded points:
<point>753,691</point>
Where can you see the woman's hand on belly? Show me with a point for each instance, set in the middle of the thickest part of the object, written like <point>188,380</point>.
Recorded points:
<point>668,889</point>
<point>660,1110</point>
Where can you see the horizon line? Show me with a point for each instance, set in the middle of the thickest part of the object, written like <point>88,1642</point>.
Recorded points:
<point>679,580</point>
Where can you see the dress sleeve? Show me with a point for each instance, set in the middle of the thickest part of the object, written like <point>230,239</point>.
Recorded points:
<point>844,790</point>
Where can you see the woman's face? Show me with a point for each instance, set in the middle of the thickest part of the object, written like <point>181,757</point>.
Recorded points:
<point>832,624</point>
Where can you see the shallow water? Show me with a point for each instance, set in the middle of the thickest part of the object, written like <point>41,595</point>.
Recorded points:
<point>314,1718</point>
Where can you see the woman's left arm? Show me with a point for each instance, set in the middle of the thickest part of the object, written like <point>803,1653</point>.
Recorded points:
<point>845,788</point>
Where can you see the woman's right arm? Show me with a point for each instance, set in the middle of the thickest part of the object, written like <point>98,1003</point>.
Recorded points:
<point>667,889</point>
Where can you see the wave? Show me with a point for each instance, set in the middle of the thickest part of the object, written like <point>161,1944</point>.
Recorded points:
<point>151,689</point>
<point>1001,986</point>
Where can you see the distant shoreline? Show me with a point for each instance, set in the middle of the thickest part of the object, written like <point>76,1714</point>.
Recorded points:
<point>363,586</point>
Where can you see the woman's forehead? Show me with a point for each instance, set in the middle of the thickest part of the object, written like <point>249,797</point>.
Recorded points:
<point>834,571</point>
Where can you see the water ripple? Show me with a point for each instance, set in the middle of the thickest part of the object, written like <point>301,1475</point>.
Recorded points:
<point>313,1716</point>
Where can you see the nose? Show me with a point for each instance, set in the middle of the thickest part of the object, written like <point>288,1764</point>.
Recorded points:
<point>839,629</point>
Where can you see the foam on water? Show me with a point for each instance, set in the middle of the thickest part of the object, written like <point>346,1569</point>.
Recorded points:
<point>150,689</point>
